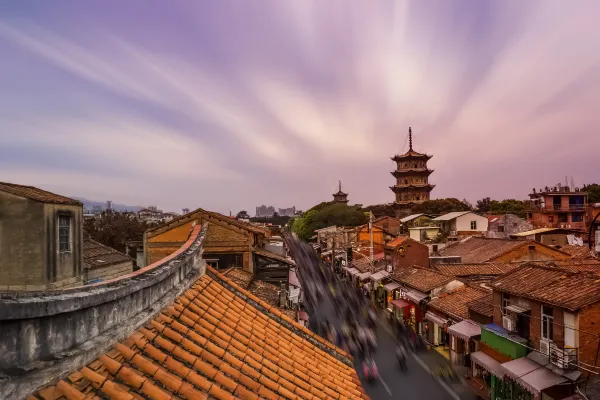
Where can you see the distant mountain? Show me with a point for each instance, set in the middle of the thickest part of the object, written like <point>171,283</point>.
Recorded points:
<point>89,204</point>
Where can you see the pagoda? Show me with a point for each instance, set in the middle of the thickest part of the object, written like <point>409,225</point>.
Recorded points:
<point>412,179</point>
<point>340,197</point>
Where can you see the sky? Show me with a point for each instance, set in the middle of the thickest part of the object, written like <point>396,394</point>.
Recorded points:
<point>227,105</point>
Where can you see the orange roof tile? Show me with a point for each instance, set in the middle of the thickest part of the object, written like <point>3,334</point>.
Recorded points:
<point>216,341</point>
<point>396,242</point>
<point>421,279</point>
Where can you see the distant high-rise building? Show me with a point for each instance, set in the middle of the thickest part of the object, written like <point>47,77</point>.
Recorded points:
<point>109,205</point>
<point>264,211</point>
<point>185,210</point>
<point>287,212</point>
<point>412,179</point>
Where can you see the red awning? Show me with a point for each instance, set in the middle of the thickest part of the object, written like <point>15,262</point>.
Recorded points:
<point>399,303</point>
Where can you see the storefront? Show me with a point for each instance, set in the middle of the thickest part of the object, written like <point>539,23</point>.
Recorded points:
<point>435,329</point>
<point>415,314</point>
<point>486,371</point>
<point>379,292</point>
<point>462,342</point>
<point>392,292</point>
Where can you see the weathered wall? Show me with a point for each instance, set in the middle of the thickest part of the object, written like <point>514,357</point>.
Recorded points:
<point>23,253</point>
<point>29,245</point>
<point>510,224</point>
<point>463,223</point>
<point>110,271</point>
<point>45,335</point>
<point>589,329</point>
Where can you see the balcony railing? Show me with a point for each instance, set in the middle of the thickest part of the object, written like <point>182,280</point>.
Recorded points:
<point>559,207</point>
<point>563,357</point>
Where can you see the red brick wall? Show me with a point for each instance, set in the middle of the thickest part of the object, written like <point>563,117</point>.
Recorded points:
<point>589,321</point>
<point>416,254</point>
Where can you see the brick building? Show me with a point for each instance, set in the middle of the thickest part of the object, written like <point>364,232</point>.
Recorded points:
<point>41,239</point>
<point>229,243</point>
<point>404,252</point>
<point>558,207</point>
<point>552,310</point>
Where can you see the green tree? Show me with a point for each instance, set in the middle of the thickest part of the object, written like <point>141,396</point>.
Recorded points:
<point>242,215</point>
<point>593,191</point>
<point>381,210</point>
<point>327,214</point>
<point>509,206</point>
<point>115,229</point>
<point>484,205</point>
<point>441,206</point>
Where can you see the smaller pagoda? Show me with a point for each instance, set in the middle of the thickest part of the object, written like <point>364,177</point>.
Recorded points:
<point>412,179</point>
<point>340,197</point>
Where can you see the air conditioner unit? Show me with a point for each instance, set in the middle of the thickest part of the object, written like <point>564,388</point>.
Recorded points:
<point>544,347</point>
<point>507,323</point>
<point>388,268</point>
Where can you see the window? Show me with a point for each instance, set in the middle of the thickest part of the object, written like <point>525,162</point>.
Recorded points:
<point>576,217</point>
<point>64,233</point>
<point>473,225</point>
<point>547,323</point>
<point>505,303</point>
<point>500,228</point>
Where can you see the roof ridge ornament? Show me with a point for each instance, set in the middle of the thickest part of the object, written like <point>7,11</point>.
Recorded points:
<point>409,139</point>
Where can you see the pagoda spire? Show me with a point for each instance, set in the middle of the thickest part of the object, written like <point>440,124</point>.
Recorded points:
<point>409,139</point>
<point>340,188</point>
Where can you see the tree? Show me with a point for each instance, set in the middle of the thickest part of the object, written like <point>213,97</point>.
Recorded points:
<point>115,229</point>
<point>441,206</point>
<point>484,205</point>
<point>327,214</point>
<point>242,215</point>
<point>593,191</point>
<point>381,210</point>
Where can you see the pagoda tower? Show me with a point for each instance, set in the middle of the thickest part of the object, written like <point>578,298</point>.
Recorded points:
<point>340,197</point>
<point>412,179</point>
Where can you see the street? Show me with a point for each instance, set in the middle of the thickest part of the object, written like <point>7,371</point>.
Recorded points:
<point>415,383</point>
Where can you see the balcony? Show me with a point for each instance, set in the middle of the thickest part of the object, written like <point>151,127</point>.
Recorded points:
<point>563,357</point>
<point>558,208</point>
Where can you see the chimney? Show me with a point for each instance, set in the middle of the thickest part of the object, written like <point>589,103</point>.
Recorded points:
<point>531,252</point>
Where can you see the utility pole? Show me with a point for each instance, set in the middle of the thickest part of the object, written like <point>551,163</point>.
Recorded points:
<point>333,250</point>
<point>371,235</point>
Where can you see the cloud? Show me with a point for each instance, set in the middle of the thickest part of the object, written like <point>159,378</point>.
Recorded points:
<point>282,99</point>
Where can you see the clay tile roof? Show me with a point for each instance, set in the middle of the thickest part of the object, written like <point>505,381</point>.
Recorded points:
<point>421,279</point>
<point>455,303</point>
<point>216,341</point>
<point>571,265</point>
<point>274,256</point>
<point>239,277</point>
<point>463,270</point>
<point>363,263</point>
<point>479,249</point>
<point>483,305</point>
<point>560,287</point>
<point>97,255</point>
<point>396,242</point>
<point>36,194</point>
<point>577,252</point>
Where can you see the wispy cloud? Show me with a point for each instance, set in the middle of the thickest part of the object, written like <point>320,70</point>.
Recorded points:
<point>285,98</point>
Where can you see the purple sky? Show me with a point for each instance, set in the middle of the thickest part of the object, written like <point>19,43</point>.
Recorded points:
<point>227,105</point>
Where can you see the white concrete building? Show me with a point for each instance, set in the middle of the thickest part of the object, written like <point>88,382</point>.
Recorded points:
<point>462,223</point>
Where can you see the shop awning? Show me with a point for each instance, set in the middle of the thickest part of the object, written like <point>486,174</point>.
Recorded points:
<point>377,276</point>
<point>435,319</point>
<point>517,309</point>
<point>465,330</point>
<point>391,286</point>
<point>364,276</point>
<point>399,303</point>
<point>531,375</point>
<point>415,296</point>
<point>487,362</point>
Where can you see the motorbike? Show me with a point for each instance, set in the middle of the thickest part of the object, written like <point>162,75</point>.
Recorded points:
<point>401,356</point>
<point>370,371</point>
